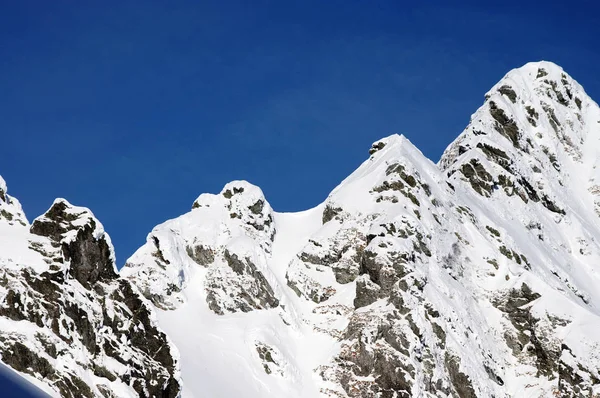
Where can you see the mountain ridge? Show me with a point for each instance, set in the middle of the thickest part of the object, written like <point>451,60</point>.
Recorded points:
<point>471,277</point>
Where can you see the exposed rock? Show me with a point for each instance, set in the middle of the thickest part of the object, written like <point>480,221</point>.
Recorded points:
<point>75,310</point>
<point>504,125</point>
<point>376,147</point>
<point>330,213</point>
<point>203,256</point>
<point>509,92</point>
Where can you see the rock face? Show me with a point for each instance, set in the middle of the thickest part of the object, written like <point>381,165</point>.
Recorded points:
<point>67,317</point>
<point>473,277</point>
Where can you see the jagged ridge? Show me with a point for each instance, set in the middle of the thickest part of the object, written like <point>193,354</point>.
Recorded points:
<point>474,277</point>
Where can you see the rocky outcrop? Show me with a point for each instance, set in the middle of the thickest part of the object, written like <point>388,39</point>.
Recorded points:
<point>70,321</point>
<point>226,238</point>
<point>83,244</point>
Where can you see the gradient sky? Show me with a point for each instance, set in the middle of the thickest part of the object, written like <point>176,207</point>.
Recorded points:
<point>135,108</point>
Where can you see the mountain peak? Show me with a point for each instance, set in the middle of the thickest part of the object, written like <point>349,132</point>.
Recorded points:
<point>10,208</point>
<point>218,241</point>
<point>474,277</point>
<point>537,70</point>
<point>85,246</point>
<point>534,130</point>
<point>394,144</point>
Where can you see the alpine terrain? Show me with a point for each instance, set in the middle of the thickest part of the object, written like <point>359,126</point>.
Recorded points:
<point>478,276</point>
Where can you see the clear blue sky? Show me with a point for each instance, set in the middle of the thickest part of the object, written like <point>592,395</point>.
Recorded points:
<point>135,108</point>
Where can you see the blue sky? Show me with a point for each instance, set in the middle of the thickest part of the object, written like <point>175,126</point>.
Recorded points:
<point>135,108</point>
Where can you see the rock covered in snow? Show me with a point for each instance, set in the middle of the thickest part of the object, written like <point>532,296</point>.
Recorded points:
<point>10,209</point>
<point>226,238</point>
<point>70,321</point>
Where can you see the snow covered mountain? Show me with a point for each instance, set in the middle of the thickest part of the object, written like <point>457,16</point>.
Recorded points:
<point>474,277</point>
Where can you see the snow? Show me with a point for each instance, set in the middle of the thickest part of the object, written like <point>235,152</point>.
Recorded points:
<point>217,350</point>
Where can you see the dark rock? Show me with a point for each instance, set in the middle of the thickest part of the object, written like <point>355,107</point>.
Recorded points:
<point>561,99</point>
<point>253,291</point>
<point>460,381</point>
<point>367,293</point>
<point>504,125</point>
<point>21,358</point>
<point>101,371</point>
<point>90,258</point>
<point>541,73</point>
<point>509,92</point>
<point>234,262</point>
<point>551,117</point>
<point>257,207</point>
<point>83,326</point>
<point>389,186</point>
<point>550,205</point>
<point>532,115</point>
<point>496,155</point>
<point>330,213</point>
<point>201,255</point>
<point>55,222</point>
<point>478,177</point>
<point>525,324</point>
<point>376,147</point>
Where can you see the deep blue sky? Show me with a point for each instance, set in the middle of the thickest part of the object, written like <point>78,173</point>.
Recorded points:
<point>135,108</point>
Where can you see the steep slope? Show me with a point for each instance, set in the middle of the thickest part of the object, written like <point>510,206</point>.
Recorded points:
<point>68,322</point>
<point>477,276</point>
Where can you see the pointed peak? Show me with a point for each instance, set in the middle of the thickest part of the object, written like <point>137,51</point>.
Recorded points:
<point>533,80</point>
<point>538,69</point>
<point>82,239</point>
<point>394,146</point>
<point>536,105</point>
<point>394,140</point>
<point>62,221</point>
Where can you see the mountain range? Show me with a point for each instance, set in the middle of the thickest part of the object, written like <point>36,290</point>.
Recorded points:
<point>476,276</point>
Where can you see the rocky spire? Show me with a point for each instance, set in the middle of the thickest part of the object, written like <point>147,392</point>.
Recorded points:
<point>85,246</point>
